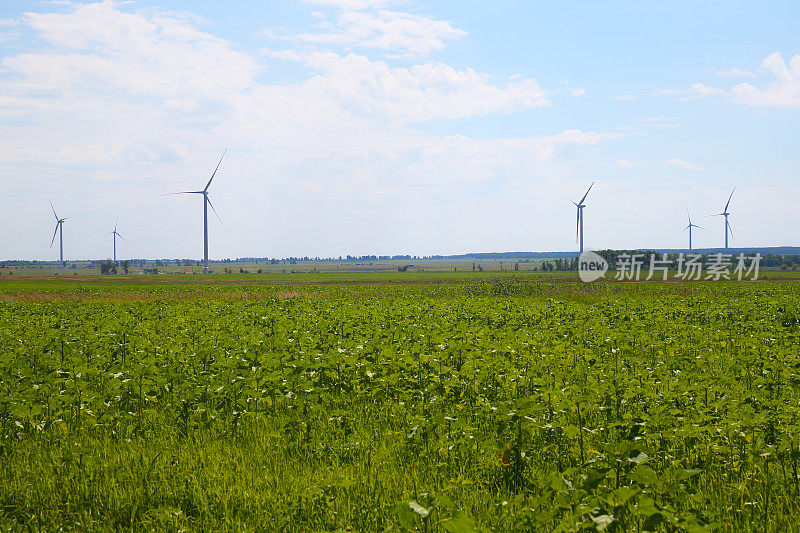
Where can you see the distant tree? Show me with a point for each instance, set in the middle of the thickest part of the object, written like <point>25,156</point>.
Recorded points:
<point>125,266</point>
<point>516,267</point>
<point>108,267</point>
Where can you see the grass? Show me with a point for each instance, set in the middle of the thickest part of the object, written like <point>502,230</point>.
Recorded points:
<point>456,403</point>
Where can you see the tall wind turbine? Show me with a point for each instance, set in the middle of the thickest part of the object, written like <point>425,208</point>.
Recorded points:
<point>725,214</point>
<point>59,226</point>
<point>116,234</point>
<point>579,227</point>
<point>206,203</point>
<point>689,227</point>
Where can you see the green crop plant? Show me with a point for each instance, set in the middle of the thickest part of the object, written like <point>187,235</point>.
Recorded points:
<point>506,403</point>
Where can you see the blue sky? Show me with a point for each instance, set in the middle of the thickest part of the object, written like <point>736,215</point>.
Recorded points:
<point>383,126</point>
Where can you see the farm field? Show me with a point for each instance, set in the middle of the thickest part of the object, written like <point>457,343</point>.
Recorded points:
<point>298,266</point>
<point>417,401</point>
<point>302,268</point>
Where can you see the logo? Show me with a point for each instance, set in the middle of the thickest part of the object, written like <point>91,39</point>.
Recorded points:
<point>591,267</point>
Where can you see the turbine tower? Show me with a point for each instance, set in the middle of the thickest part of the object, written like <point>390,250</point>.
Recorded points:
<point>689,227</point>
<point>59,226</point>
<point>206,203</point>
<point>725,214</point>
<point>579,227</point>
<point>116,234</point>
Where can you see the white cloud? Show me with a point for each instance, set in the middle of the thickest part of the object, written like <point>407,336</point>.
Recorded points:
<point>400,33</point>
<point>783,92</point>
<point>577,93</point>
<point>627,164</point>
<point>700,89</point>
<point>661,122</point>
<point>104,49</point>
<point>128,104</point>
<point>683,165</point>
<point>734,72</point>
<point>355,4</point>
<point>697,90</point>
<point>417,93</point>
<point>8,29</point>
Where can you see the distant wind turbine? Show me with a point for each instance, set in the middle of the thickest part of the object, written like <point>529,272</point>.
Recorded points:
<point>59,226</point>
<point>579,227</point>
<point>116,234</point>
<point>689,227</point>
<point>725,214</point>
<point>206,203</point>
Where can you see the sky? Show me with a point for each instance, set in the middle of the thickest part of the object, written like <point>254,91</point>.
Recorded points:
<point>420,127</point>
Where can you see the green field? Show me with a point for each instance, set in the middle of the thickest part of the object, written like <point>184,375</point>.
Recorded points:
<point>414,401</point>
<point>287,266</point>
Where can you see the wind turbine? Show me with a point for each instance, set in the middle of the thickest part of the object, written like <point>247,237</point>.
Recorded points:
<point>727,224</point>
<point>59,225</point>
<point>116,234</point>
<point>579,227</point>
<point>689,227</point>
<point>206,203</point>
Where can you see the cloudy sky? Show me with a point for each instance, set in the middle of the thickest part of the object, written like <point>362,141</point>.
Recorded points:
<point>395,126</point>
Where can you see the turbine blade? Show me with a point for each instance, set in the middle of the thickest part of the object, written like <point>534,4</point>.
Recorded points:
<point>729,200</point>
<point>115,223</point>
<point>123,238</point>
<point>54,210</point>
<point>730,229</point>
<point>587,193</point>
<point>215,212</point>
<point>215,171</point>
<point>54,235</point>
<point>182,192</point>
